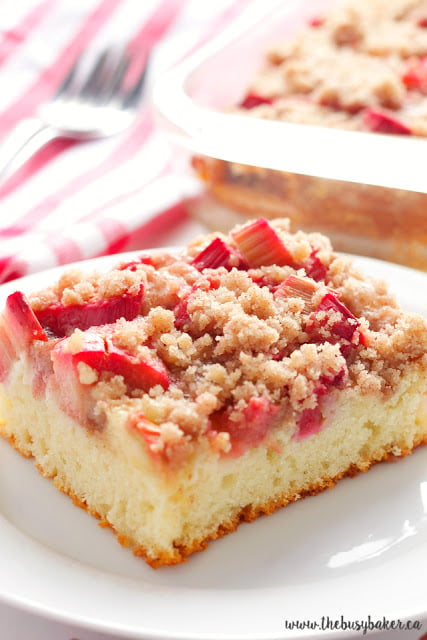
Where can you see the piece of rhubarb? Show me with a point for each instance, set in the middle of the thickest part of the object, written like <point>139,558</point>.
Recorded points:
<point>310,421</point>
<point>265,281</point>
<point>62,319</point>
<point>422,22</point>
<point>72,384</point>
<point>314,268</point>
<point>133,265</point>
<point>415,74</point>
<point>249,431</point>
<point>101,354</point>
<point>259,243</point>
<point>24,324</point>
<point>342,329</point>
<point>146,428</point>
<point>384,122</point>
<point>316,21</point>
<point>182,317</point>
<point>219,254</point>
<point>8,353</point>
<point>72,396</point>
<point>296,287</point>
<point>40,355</point>
<point>327,382</point>
<point>19,328</point>
<point>252,100</point>
<point>347,325</point>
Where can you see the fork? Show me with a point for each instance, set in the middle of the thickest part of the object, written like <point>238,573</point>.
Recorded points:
<point>92,102</point>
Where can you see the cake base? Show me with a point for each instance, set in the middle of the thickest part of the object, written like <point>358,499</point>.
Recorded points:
<point>165,514</point>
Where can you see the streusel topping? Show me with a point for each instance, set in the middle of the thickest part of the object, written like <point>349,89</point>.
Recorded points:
<point>214,346</point>
<point>362,66</point>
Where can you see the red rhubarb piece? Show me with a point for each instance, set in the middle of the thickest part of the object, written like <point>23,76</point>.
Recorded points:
<point>328,381</point>
<point>316,21</point>
<point>101,354</point>
<point>24,325</point>
<point>260,244</point>
<point>348,324</point>
<point>219,254</point>
<point>296,287</point>
<point>98,352</point>
<point>314,268</point>
<point>63,319</point>
<point>70,392</point>
<point>383,122</point>
<point>132,265</point>
<point>343,328</point>
<point>19,328</point>
<point>309,422</point>
<point>415,75</point>
<point>147,429</point>
<point>252,100</point>
<point>251,429</point>
<point>42,365</point>
<point>422,22</point>
<point>7,350</point>
<point>264,281</point>
<point>182,317</point>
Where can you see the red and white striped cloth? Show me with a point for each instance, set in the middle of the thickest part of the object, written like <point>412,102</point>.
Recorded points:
<point>73,201</point>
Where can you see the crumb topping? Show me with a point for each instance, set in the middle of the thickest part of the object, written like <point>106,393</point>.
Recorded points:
<point>213,348</point>
<point>77,288</point>
<point>362,66</point>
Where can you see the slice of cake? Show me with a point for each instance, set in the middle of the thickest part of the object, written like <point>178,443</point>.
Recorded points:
<point>180,394</point>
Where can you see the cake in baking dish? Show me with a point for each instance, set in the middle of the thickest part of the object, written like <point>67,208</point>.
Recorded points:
<point>359,65</point>
<point>179,394</point>
<point>362,65</point>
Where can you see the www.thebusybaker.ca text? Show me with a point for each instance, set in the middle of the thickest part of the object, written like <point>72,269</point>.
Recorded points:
<point>361,626</point>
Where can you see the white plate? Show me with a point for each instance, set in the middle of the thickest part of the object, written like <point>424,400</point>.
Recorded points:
<point>357,551</point>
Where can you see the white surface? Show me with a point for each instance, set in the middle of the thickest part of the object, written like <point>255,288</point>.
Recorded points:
<point>190,102</point>
<point>357,551</point>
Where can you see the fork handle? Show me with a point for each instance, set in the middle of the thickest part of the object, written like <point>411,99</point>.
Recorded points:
<point>28,135</point>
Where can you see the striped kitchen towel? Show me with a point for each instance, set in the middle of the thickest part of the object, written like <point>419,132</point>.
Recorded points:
<point>72,201</point>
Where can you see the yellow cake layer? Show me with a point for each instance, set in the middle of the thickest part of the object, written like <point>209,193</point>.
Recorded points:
<point>165,514</point>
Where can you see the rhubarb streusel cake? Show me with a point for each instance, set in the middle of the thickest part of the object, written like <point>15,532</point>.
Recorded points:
<point>360,65</point>
<point>181,393</point>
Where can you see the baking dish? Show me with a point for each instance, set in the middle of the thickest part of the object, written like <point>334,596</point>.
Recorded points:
<point>366,191</point>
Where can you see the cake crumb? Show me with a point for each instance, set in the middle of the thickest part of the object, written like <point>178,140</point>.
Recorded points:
<point>87,375</point>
